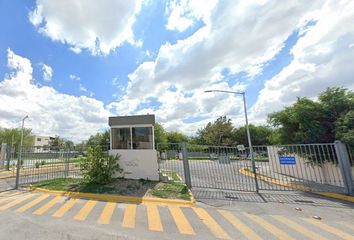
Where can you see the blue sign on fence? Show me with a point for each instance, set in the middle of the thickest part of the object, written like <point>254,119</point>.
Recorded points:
<point>287,160</point>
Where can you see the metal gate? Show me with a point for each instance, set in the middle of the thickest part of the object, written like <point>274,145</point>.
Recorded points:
<point>306,167</point>
<point>215,167</point>
<point>35,164</point>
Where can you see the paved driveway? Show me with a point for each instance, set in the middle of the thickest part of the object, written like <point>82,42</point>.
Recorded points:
<point>41,216</point>
<point>215,175</point>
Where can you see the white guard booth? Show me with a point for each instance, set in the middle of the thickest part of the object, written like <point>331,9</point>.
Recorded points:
<point>132,137</point>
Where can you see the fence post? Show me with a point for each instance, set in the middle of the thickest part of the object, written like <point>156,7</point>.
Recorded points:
<point>187,175</point>
<point>67,162</point>
<point>3,152</point>
<point>344,165</point>
<point>18,167</point>
<point>8,157</point>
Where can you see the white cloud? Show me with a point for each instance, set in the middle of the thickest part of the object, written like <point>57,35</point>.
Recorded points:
<point>182,14</point>
<point>74,77</point>
<point>322,58</point>
<point>99,26</point>
<point>47,72</point>
<point>239,36</point>
<point>82,88</point>
<point>50,112</point>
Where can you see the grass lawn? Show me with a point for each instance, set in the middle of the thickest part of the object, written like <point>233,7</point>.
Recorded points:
<point>119,186</point>
<point>171,190</point>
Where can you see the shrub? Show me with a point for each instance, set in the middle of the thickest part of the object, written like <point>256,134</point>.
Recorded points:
<point>37,164</point>
<point>99,167</point>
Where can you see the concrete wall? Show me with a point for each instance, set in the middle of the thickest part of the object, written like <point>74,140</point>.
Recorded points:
<point>136,164</point>
<point>327,173</point>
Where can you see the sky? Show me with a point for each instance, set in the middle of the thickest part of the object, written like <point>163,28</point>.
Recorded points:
<point>71,64</point>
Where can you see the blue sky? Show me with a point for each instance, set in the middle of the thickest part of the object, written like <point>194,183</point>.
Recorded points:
<point>158,57</point>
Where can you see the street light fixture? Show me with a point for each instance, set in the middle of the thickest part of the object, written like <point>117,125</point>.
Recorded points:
<point>247,128</point>
<point>20,153</point>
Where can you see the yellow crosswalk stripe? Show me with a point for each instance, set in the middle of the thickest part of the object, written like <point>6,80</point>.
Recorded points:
<point>211,223</point>
<point>16,201</point>
<point>181,221</point>
<point>47,206</point>
<point>129,216</point>
<point>66,207</point>
<point>32,203</point>
<point>107,213</point>
<point>85,210</point>
<point>154,219</point>
<point>297,227</point>
<point>329,229</point>
<point>239,225</point>
<point>269,227</point>
<point>5,198</point>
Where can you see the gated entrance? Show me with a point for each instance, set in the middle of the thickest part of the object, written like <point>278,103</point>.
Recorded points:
<point>307,167</point>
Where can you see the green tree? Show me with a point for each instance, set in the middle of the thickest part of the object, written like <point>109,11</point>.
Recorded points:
<point>13,136</point>
<point>58,143</point>
<point>217,133</point>
<point>160,133</point>
<point>260,135</point>
<point>176,137</point>
<point>100,139</point>
<point>308,121</point>
<point>345,128</point>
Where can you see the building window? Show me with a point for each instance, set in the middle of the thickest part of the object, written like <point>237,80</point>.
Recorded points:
<point>39,139</point>
<point>132,138</point>
<point>142,137</point>
<point>121,138</point>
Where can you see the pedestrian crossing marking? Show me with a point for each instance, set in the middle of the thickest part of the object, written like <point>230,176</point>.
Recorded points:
<point>181,221</point>
<point>66,207</point>
<point>269,227</point>
<point>129,216</point>
<point>85,210</point>
<point>329,229</point>
<point>47,206</point>
<point>239,225</point>
<point>8,196</point>
<point>213,226</point>
<point>16,201</point>
<point>154,220</point>
<point>107,213</point>
<point>298,228</point>
<point>33,203</point>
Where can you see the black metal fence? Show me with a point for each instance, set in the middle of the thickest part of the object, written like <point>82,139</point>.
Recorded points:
<point>39,166</point>
<point>308,167</point>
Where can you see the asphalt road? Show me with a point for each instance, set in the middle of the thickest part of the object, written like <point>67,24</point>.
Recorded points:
<point>216,175</point>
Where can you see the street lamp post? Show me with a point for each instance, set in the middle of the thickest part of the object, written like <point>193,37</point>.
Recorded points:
<point>20,154</point>
<point>247,129</point>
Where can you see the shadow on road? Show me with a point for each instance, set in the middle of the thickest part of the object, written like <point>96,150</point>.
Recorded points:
<point>219,198</point>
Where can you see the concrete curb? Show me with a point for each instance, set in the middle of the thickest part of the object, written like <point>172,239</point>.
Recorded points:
<point>342,197</point>
<point>118,198</point>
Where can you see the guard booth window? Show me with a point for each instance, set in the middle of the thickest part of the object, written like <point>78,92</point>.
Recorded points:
<point>142,137</point>
<point>132,138</point>
<point>121,138</point>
